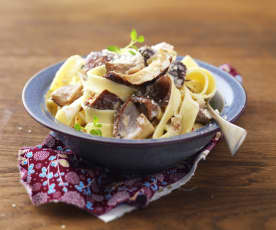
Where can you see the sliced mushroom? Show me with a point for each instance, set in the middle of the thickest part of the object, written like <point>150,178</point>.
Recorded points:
<point>162,90</point>
<point>164,46</point>
<point>66,94</point>
<point>113,76</point>
<point>122,68</point>
<point>125,119</point>
<point>147,106</point>
<point>159,92</point>
<point>119,68</point>
<point>131,124</point>
<point>126,63</point>
<point>105,100</point>
<point>147,52</point>
<point>178,71</point>
<point>95,59</point>
<point>158,64</point>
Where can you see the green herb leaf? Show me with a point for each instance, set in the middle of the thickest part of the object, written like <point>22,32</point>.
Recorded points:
<point>95,120</point>
<point>134,47</point>
<point>98,125</point>
<point>133,35</point>
<point>132,52</point>
<point>134,39</point>
<point>115,49</point>
<point>96,132</point>
<point>77,127</point>
<point>141,39</point>
<point>99,132</point>
<point>93,132</point>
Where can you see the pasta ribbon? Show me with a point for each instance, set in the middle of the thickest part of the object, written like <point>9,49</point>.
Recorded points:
<point>68,73</point>
<point>197,82</point>
<point>188,111</point>
<point>80,118</point>
<point>211,89</point>
<point>67,113</point>
<point>51,106</point>
<point>98,84</point>
<point>201,83</point>
<point>189,62</point>
<point>170,131</point>
<point>104,116</point>
<point>99,71</point>
<point>105,119</point>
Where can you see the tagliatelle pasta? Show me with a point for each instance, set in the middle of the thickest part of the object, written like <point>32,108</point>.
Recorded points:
<point>188,111</point>
<point>67,113</point>
<point>131,93</point>
<point>97,84</point>
<point>68,73</point>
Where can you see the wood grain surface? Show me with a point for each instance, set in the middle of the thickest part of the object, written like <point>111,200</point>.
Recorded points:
<point>227,192</point>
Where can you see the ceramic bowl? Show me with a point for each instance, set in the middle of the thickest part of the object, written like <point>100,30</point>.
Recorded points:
<point>143,156</point>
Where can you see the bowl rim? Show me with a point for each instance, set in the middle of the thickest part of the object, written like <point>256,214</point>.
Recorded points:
<point>206,130</point>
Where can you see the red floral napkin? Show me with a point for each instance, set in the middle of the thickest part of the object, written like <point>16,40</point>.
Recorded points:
<point>51,172</point>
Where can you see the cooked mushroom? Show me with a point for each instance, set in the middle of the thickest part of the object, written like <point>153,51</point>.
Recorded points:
<point>119,68</point>
<point>158,64</point>
<point>147,106</point>
<point>162,90</point>
<point>164,46</point>
<point>147,52</point>
<point>105,100</point>
<point>95,59</point>
<point>126,63</point>
<point>178,71</point>
<point>116,78</point>
<point>66,94</point>
<point>159,92</point>
<point>131,124</point>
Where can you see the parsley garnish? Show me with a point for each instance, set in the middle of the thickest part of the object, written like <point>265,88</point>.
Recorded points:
<point>96,132</point>
<point>134,39</point>
<point>77,127</point>
<point>132,52</point>
<point>96,124</point>
<point>115,49</point>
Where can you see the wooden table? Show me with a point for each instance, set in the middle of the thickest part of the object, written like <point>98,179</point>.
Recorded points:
<point>227,192</point>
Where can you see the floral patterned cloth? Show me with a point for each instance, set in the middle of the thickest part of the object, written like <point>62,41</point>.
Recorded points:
<point>51,172</point>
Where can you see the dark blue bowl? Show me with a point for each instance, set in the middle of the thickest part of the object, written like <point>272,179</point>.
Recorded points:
<point>144,156</point>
